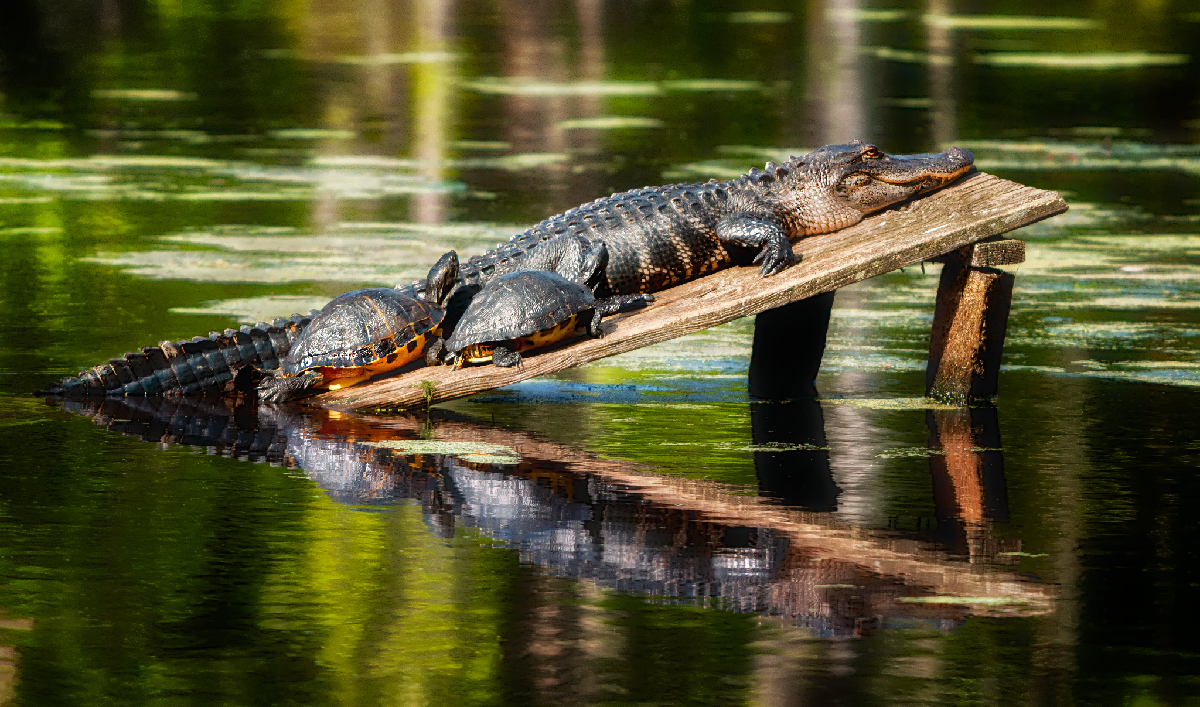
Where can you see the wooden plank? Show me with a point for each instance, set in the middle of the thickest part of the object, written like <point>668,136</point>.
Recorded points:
<point>993,254</point>
<point>975,208</point>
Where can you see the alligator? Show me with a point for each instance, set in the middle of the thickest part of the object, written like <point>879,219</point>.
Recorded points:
<point>656,237</point>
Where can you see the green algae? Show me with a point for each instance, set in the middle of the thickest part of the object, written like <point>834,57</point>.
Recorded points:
<point>1081,61</point>
<point>481,451</point>
<point>1011,22</point>
<point>610,122</point>
<point>892,403</point>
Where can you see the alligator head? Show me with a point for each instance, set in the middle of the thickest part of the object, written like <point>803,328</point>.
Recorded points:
<point>837,185</point>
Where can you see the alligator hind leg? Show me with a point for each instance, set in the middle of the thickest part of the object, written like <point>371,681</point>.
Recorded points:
<point>276,388</point>
<point>505,357</point>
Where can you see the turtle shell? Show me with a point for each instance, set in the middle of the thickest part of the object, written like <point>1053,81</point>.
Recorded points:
<point>363,327</point>
<point>519,304</point>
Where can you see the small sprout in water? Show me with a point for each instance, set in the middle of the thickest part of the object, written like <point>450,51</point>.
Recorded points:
<point>427,388</point>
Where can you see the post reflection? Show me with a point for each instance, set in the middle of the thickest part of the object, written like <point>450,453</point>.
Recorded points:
<point>969,488</point>
<point>576,516</point>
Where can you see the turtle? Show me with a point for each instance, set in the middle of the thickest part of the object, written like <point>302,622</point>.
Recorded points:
<point>361,334</point>
<point>530,309</point>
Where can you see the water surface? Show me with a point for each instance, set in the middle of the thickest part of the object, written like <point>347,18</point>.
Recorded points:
<point>638,530</point>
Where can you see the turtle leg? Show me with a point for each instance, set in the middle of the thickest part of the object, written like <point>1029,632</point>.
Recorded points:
<point>591,322</point>
<point>621,303</point>
<point>435,352</point>
<point>505,357</point>
<point>277,388</point>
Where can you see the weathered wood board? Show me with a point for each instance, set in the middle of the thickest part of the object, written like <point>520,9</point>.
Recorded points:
<point>975,208</point>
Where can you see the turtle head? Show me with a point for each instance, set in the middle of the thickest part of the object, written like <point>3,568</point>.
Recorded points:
<point>441,278</point>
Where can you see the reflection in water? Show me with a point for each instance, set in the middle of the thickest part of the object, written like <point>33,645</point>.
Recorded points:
<point>791,458</point>
<point>969,489</point>
<point>576,516</point>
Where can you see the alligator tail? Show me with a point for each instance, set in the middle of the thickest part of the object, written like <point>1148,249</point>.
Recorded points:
<point>203,366</point>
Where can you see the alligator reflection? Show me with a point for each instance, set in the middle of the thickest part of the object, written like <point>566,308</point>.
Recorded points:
<point>576,515</point>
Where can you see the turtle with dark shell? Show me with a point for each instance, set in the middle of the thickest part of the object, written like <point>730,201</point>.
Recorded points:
<point>361,334</point>
<point>530,309</point>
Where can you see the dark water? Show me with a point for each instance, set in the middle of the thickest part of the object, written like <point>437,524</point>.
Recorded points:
<point>170,168</point>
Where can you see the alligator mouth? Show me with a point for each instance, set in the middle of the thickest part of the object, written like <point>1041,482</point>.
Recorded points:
<point>922,172</point>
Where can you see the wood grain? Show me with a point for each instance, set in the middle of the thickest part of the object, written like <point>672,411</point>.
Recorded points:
<point>978,207</point>
<point>991,254</point>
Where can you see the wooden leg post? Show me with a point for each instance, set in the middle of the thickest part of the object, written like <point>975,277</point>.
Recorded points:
<point>970,321</point>
<point>789,342</point>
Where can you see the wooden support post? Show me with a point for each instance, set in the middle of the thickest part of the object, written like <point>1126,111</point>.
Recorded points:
<point>970,321</point>
<point>789,342</point>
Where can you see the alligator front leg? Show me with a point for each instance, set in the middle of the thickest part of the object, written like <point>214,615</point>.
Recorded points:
<point>775,248</point>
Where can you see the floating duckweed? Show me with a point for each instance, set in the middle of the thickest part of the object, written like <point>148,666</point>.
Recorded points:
<point>142,94</point>
<point>781,447</point>
<point>525,87</point>
<point>701,85</point>
<point>312,134</point>
<point>1081,60</point>
<point>610,122</point>
<point>36,124</point>
<point>759,17</point>
<point>14,200</point>
<point>251,310</point>
<point>910,453</point>
<point>904,56</point>
<point>893,403</point>
<point>389,59</point>
<point>481,145</point>
<point>490,459</point>
<point>31,231</point>
<point>480,450</point>
<point>514,163</point>
<point>970,601</point>
<point>863,15</point>
<point>1007,22</point>
<point>1024,554</point>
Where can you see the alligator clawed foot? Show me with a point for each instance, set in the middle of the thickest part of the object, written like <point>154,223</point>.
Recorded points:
<point>774,260</point>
